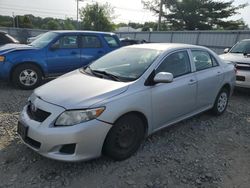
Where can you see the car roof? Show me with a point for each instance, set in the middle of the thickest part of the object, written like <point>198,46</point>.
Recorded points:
<point>80,31</point>
<point>246,40</point>
<point>3,32</point>
<point>165,46</point>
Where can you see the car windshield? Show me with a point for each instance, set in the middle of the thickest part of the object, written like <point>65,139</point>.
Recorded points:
<point>127,64</point>
<point>241,47</point>
<point>44,40</point>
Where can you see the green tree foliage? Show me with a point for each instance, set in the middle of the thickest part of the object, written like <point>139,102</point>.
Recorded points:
<point>30,21</point>
<point>97,17</point>
<point>197,14</point>
<point>6,21</point>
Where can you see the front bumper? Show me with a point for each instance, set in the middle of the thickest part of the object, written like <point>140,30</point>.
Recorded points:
<point>88,137</point>
<point>242,79</point>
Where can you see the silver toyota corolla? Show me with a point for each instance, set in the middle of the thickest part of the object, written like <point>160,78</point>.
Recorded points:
<point>110,106</point>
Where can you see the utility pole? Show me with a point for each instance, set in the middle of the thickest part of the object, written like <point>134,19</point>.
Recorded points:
<point>17,24</point>
<point>160,14</point>
<point>77,13</point>
<point>13,15</point>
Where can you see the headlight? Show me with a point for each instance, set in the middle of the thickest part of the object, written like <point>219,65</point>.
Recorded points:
<point>73,117</point>
<point>2,58</point>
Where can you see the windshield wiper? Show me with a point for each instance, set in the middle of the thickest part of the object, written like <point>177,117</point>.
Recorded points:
<point>237,52</point>
<point>107,74</point>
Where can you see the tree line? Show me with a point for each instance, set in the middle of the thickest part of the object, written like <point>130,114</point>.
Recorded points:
<point>176,15</point>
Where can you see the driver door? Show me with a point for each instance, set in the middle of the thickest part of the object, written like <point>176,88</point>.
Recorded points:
<point>171,101</point>
<point>64,55</point>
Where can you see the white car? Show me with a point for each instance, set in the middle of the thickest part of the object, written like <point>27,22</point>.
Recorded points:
<point>110,106</point>
<point>239,55</point>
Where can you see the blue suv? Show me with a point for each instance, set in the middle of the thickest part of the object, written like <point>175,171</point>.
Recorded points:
<point>52,54</point>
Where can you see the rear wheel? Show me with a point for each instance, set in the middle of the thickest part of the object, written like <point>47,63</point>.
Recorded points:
<point>221,102</point>
<point>27,76</point>
<point>124,138</point>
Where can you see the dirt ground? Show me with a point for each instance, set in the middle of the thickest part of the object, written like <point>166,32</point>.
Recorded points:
<point>204,151</point>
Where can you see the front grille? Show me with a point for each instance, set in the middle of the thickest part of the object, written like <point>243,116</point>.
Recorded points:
<point>243,66</point>
<point>37,114</point>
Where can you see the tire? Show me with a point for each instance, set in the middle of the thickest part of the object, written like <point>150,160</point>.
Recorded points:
<point>27,76</point>
<point>124,138</point>
<point>221,102</point>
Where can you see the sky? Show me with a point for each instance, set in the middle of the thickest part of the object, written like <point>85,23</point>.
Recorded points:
<point>124,10</point>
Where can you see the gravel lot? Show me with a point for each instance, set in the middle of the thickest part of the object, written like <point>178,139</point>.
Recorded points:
<point>204,151</point>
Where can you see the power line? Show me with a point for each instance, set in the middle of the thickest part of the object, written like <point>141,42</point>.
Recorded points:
<point>37,11</point>
<point>31,8</point>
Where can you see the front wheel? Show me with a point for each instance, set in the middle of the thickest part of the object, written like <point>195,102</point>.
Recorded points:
<point>221,102</point>
<point>124,138</point>
<point>27,76</point>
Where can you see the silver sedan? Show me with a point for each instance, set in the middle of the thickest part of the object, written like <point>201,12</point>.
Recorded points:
<point>110,106</point>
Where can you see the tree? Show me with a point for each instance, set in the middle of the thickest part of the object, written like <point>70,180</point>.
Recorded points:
<point>197,14</point>
<point>26,23</point>
<point>68,24</point>
<point>97,17</point>
<point>51,24</point>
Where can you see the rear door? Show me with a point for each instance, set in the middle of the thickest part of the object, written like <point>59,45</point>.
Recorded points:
<point>92,48</point>
<point>209,76</point>
<point>64,54</point>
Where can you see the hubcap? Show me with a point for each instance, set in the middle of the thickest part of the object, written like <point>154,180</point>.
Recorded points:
<point>222,102</point>
<point>126,136</point>
<point>28,77</point>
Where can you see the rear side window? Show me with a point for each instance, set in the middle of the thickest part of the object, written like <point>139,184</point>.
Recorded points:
<point>177,63</point>
<point>202,60</point>
<point>90,41</point>
<point>112,42</point>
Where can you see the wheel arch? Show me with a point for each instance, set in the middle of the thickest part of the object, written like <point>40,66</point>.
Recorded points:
<point>138,114</point>
<point>25,63</point>
<point>141,116</point>
<point>227,87</point>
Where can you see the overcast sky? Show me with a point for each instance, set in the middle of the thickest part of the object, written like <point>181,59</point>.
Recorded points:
<point>125,10</point>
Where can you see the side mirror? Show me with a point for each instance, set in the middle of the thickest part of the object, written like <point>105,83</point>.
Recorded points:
<point>163,77</point>
<point>54,46</point>
<point>226,50</point>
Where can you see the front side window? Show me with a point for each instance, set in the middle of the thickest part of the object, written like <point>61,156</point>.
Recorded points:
<point>177,63</point>
<point>69,41</point>
<point>202,60</point>
<point>90,41</point>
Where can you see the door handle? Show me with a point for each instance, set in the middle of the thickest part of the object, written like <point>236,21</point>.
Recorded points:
<point>100,52</point>
<point>73,52</point>
<point>192,81</point>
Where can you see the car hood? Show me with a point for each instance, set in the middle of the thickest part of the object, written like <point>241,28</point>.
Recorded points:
<point>235,57</point>
<point>77,90</point>
<point>14,47</point>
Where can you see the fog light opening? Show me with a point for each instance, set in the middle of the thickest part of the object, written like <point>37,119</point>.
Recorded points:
<point>68,149</point>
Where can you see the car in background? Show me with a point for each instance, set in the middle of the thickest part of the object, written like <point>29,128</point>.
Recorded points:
<point>110,106</point>
<point>31,39</point>
<point>5,38</point>
<point>239,55</point>
<point>53,54</point>
<point>129,41</point>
